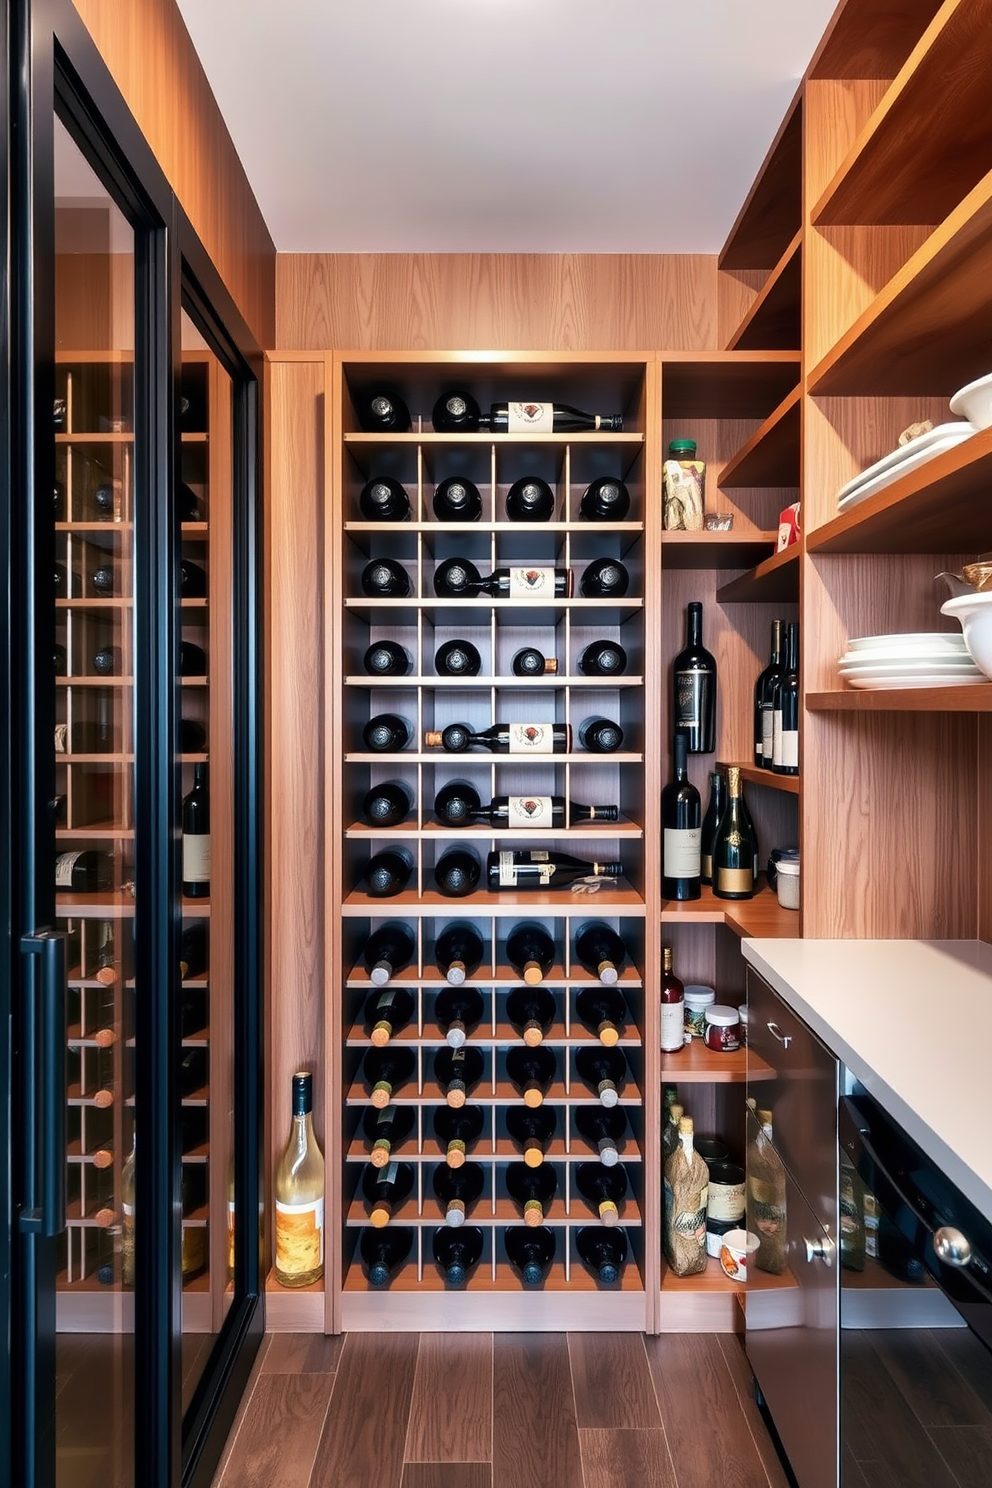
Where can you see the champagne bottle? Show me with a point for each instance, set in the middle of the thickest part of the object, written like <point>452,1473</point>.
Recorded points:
<point>532,1011</point>
<point>763,690</point>
<point>602,1129</point>
<point>458,952</point>
<point>457,1252</point>
<point>457,1071</point>
<point>193,950</point>
<point>604,578</point>
<point>383,1252</point>
<point>530,950</point>
<point>192,580</point>
<point>603,1251</point>
<point>707,835</point>
<point>529,662</point>
<point>386,733</point>
<point>102,578</point>
<point>383,412</point>
<point>530,500</point>
<point>603,659</point>
<point>531,1252</point>
<point>601,951</point>
<point>456,412</point>
<point>387,805</point>
<point>384,1190</point>
<point>603,1070</point>
<point>531,1071</point>
<point>602,1010</point>
<point>86,872</point>
<point>503,738</point>
<point>605,500</point>
<point>457,659</point>
<point>196,836</point>
<point>457,804</point>
<point>672,998</point>
<point>383,499</point>
<point>457,872</point>
<point>388,951</point>
<point>604,1188</point>
<point>385,1129</point>
<point>384,578</point>
<point>387,873</point>
<point>388,1010</point>
<point>458,1011</point>
<point>128,1184</point>
<point>299,1195</point>
<point>532,1128</point>
<point>458,1189</point>
<point>735,850</point>
<point>458,1130</point>
<point>192,660</point>
<point>458,578</point>
<point>550,418</point>
<point>532,1188</point>
<point>681,831</point>
<point>694,686</point>
<point>600,736</point>
<point>786,708</point>
<point>385,1070</point>
<point>107,661</point>
<point>387,659</point>
<point>457,499</point>
<point>686,1189</point>
<point>539,870</point>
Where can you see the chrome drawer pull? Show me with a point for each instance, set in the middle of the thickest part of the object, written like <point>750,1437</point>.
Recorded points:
<point>785,1039</point>
<point>953,1248</point>
<point>819,1250</point>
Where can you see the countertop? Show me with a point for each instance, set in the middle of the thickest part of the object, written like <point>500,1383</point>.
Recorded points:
<point>912,1020</point>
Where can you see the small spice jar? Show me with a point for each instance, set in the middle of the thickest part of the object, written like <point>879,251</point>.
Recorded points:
<point>697,1000</point>
<point>683,481</point>
<point>787,883</point>
<point>723,1029</point>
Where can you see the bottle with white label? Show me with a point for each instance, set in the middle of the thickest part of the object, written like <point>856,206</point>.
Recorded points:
<point>458,578</point>
<point>550,418</point>
<point>503,738</point>
<point>764,689</point>
<point>786,738</point>
<point>299,1195</point>
<point>458,805</point>
<point>681,829</point>
<point>672,1000</point>
<point>539,870</point>
<point>196,837</point>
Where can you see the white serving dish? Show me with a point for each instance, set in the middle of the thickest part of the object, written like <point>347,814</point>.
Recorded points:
<point>917,679</point>
<point>974,402</point>
<point>893,467</point>
<point>909,640</point>
<point>907,668</point>
<point>974,614</point>
<point>946,657</point>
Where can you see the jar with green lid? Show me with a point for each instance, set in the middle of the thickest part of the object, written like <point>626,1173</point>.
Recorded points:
<point>683,483</point>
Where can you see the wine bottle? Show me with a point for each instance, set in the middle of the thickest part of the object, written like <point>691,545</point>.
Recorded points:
<point>457,872</point>
<point>531,1252</point>
<point>458,952</point>
<point>383,412</point>
<point>530,950</point>
<point>605,500</point>
<point>539,870</point>
<point>61,581</point>
<point>603,1011</point>
<point>299,1195</point>
<point>602,1129</point>
<point>458,1130</point>
<point>457,499</point>
<point>128,1186</point>
<point>604,1188</point>
<point>532,1188</point>
<point>384,578</point>
<point>388,872</point>
<point>457,1071</point>
<point>383,499</point>
<point>550,418</point>
<point>458,1189</point>
<point>194,1071</point>
<point>383,1252</point>
<point>604,578</point>
<point>681,831</point>
<point>458,578</point>
<point>388,1010</point>
<point>58,499</point>
<point>532,1011</point>
<point>107,661</point>
<point>60,660</point>
<point>384,1190</point>
<point>387,805</point>
<point>672,999</point>
<point>456,412</point>
<point>388,950</point>
<point>601,951</point>
<point>193,950</point>
<point>457,1252</point>
<point>735,850</point>
<point>196,836</point>
<point>457,659</point>
<point>192,580</point>
<point>600,736</point>
<point>532,1129</point>
<point>387,659</point>
<point>457,804</point>
<point>503,738</point>
<point>105,499</point>
<point>670,1131</point>
<point>384,1070</point>
<point>603,1251</point>
<point>387,733</point>
<point>531,1071</point>
<point>85,872</point>
<point>763,689</point>
<point>786,708</point>
<point>686,1185</point>
<point>603,659</point>
<point>530,500</point>
<point>529,662</point>
<point>192,660</point>
<point>187,504</point>
<point>603,1070</point>
<point>105,971</point>
<point>694,686</point>
<point>707,835</point>
<point>386,1129</point>
<point>102,578</point>
<point>458,1011</point>
<point>192,736</point>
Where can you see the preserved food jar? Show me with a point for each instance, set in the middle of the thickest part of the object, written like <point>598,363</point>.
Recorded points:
<point>723,1029</point>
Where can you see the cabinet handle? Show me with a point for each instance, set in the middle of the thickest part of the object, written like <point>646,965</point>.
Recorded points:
<point>785,1039</point>
<point>819,1250</point>
<point>953,1248</point>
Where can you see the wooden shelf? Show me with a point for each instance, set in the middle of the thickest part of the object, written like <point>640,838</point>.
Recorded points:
<point>772,212</point>
<point>774,580</point>
<point>973,699</point>
<point>504,979</point>
<point>872,39</point>
<point>489,1212</point>
<point>487,1150</point>
<point>726,384</point>
<point>761,916</point>
<point>771,456</point>
<point>605,902</point>
<point>757,775</point>
<point>484,756</point>
<point>356,439</point>
<point>734,549</point>
<point>774,321</point>
<point>483,1036</point>
<point>695,1064</point>
<point>551,679</point>
<point>431,831</point>
<point>500,1094</point>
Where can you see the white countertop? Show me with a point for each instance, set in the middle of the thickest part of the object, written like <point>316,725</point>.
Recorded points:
<point>912,1020</point>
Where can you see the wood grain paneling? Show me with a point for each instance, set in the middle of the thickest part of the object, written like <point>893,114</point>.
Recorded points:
<point>151,57</point>
<point>362,1444</point>
<point>871,38</point>
<point>535,1441</point>
<point>451,1416</point>
<point>612,1381</point>
<point>626,1459</point>
<point>279,1433</point>
<point>555,302</point>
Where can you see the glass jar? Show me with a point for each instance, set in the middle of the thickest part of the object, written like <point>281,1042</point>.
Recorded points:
<point>787,883</point>
<point>697,1000</point>
<point>723,1029</point>
<point>683,483</point>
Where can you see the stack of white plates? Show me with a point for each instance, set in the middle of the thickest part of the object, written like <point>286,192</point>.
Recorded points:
<point>901,461</point>
<point>923,659</point>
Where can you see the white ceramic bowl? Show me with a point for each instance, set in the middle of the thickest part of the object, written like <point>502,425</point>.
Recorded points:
<point>974,402</point>
<point>974,613</point>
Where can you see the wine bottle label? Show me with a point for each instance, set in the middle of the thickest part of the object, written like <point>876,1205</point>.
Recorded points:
<point>526,583</point>
<point>777,737</point>
<point>529,811</point>
<point>531,738</point>
<point>530,418</point>
<point>507,871</point>
<point>706,866</point>
<point>692,697</point>
<point>196,857</point>
<point>682,852</point>
<point>672,1026</point>
<point>734,880</point>
<point>790,749</point>
<point>689,1222</point>
<point>767,733</point>
<point>299,1237</point>
<point>726,1201</point>
<point>64,864</point>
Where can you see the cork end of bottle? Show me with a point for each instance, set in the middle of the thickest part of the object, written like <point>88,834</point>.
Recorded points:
<point>533,1157</point>
<point>455,1099</point>
<point>379,1157</point>
<point>455,974</point>
<point>608,974</point>
<point>455,1036</point>
<point>533,1214</point>
<point>379,1037</point>
<point>532,1037</point>
<point>456,1158</point>
<point>609,1097</point>
<point>379,1218</point>
<point>106,976</point>
<point>380,1099</point>
<point>609,1214</point>
<point>609,1157</point>
<point>551,665</point>
<point>608,1273</point>
<point>533,1099</point>
<point>455,1216</point>
<point>432,739</point>
<point>533,974</point>
<point>608,1035</point>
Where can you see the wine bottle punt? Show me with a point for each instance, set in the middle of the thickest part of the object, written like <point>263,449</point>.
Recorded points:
<point>388,872</point>
<point>530,500</point>
<point>533,872</point>
<point>384,1189</point>
<point>383,1252</point>
<point>735,849</point>
<point>457,1130</point>
<point>386,733</point>
<point>384,578</point>
<point>385,1070</point>
<point>602,1010</point>
<point>457,1071</point>
<point>457,499</point>
<point>107,661</point>
<point>603,1251</point>
<point>532,1011</point>
<point>458,1189</point>
<point>531,1071</point>
<point>532,1129</point>
<point>681,829</point>
<point>388,950</point>
<point>707,835</point>
<point>529,662</point>
<point>383,499</point>
<point>603,659</point>
<point>458,1011</point>
<point>530,950</point>
<point>457,872</point>
<point>531,1252</point>
<point>550,418</point>
<point>387,659</point>
<point>602,1128</point>
<point>456,412</point>
<point>103,579</point>
<point>604,1188</point>
<point>383,412</point>
<point>458,578</point>
<point>457,1252</point>
<point>388,1010</point>
<point>502,738</point>
<point>196,836</point>
<point>604,578</point>
<point>694,686</point>
<point>600,736</point>
<point>385,1129</point>
<point>532,1188</point>
<point>601,951</point>
<point>763,690</point>
<point>457,659</point>
<point>299,1195</point>
<point>458,952</point>
<point>603,1070</point>
<point>605,499</point>
<point>387,805</point>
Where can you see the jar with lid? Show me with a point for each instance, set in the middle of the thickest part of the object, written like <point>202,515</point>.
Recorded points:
<point>683,483</point>
<point>787,883</point>
<point>697,1000</point>
<point>723,1029</point>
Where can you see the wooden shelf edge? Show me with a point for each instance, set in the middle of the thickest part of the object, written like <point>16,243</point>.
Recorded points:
<point>761,916</point>
<point>757,775</point>
<point>485,436</point>
<point>773,580</point>
<point>746,243</point>
<point>734,549</point>
<point>973,699</point>
<point>769,290</point>
<point>777,428</point>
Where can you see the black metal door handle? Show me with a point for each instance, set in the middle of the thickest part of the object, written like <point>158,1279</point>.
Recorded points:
<point>47,1215</point>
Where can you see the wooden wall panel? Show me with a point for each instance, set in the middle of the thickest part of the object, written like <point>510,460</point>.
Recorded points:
<point>479,301</point>
<point>151,57</point>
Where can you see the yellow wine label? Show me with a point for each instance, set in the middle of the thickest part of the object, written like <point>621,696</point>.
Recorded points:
<point>734,880</point>
<point>299,1237</point>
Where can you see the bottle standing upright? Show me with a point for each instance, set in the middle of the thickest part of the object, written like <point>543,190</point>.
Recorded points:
<point>299,1195</point>
<point>196,837</point>
<point>764,689</point>
<point>672,999</point>
<point>681,831</point>
<point>735,849</point>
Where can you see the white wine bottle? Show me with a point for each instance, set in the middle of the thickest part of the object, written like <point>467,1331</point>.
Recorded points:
<point>299,1195</point>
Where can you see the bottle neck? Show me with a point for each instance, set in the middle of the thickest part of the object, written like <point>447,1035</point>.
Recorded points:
<point>776,643</point>
<point>686,1139</point>
<point>694,625</point>
<point>680,747</point>
<point>792,648</point>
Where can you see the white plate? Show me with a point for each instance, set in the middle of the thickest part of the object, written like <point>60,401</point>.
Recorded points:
<point>958,430</point>
<point>917,653</point>
<point>931,679</point>
<point>908,664</point>
<point>950,640</point>
<point>896,472</point>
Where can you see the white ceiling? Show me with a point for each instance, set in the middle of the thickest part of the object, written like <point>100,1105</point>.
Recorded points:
<point>542,126</point>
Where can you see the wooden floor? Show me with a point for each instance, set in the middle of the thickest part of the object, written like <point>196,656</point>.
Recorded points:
<point>483,1410</point>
